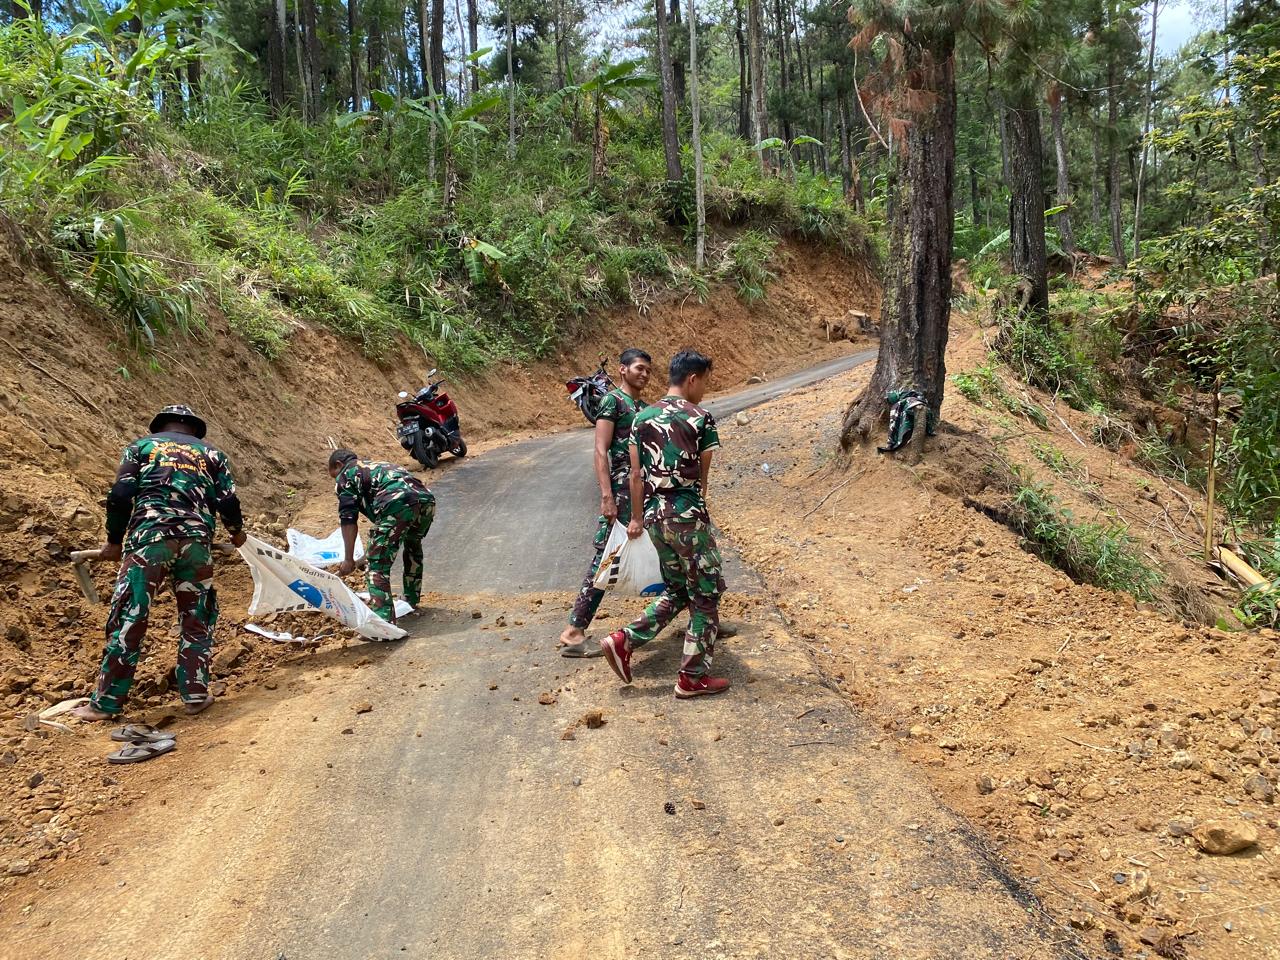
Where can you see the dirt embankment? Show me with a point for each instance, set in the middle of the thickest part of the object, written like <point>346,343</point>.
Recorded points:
<point>71,398</point>
<point>1091,738</point>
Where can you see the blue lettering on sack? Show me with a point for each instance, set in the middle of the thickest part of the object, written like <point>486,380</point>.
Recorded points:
<point>308,592</point>
<point>653,590</point>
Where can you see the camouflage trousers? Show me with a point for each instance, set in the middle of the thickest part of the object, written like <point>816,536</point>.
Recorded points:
<point>188,566</point>
<point>690,564</point>
<point>588,600</point>
<point>405,524</point>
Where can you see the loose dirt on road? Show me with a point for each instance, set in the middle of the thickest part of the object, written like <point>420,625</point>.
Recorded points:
<point>1085,737</point>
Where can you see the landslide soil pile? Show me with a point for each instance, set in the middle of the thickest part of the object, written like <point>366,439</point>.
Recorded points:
<point>71,397</point>
<point>1100,744</point>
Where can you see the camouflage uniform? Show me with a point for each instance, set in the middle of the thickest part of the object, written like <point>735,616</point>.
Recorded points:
<point>670,438</point>
<point>167,490</point>
<point>617,406</point>
<point>401,510</point>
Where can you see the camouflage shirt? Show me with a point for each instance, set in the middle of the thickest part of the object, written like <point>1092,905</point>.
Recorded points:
<point>168,487</point>
<point>670,438</point>
<point>378,490</point>
<point>619,408</point>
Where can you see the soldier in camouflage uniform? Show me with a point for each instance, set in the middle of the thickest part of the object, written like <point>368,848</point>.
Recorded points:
<point>401,510</point>
<point>160,517</point>
<point>618,408</point>
<point>671,446</point>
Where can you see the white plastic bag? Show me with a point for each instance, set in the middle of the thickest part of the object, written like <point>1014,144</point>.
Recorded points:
<point>319,552</point>
<point>629,566</point>
<point>285,583</point>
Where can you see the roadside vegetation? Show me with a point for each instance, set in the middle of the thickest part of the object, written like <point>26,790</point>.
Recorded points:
<point>407,219</point>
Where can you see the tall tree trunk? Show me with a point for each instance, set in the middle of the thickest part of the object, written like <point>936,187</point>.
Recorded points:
<point>1099,175</point>
<point>462,41</point>
<point>275,56</point>
<point>304,92</point>
<point>599,142</point>
<point>353,41</point>
<point>695,141</point>
<point>975,196</point>
<point>670,139</point>
<point>1026,200</point>
<point>437,46</point>
<point>424,47</point>
<point>511,86</point>
<point>755,53</point>
<point>1064,179</point>
<point>1146,130</point>
<point>559,40</point>
<point>311,57</point>
<point>916,306</point>
<point>677,65</point>
<point>194,91</point>
<point>846,158</point>
<point>744,110</point>
<point>1113,165</point>
<point>375,53</point>
<point>784,102</point>
<point>473,34</point>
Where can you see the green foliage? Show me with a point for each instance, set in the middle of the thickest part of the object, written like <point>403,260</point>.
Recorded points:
<point>745,262</point>
<point>1102,554</point>
<point>984,386</point>
<point>135,290</point>
<point>1063,354</point>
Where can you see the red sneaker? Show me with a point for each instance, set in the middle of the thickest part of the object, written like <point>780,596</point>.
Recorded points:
<point>617,650</point>
<point>703,686</point>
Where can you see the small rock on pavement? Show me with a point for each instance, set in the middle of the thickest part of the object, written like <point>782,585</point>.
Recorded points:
<point>742,419</point>
<point>594,719</point>
<point>669,808</point>
<point>364,707</point>
<point>476,614</point>
<point>1223,837</point>
<point>697,804</point>
<point>546,698</point>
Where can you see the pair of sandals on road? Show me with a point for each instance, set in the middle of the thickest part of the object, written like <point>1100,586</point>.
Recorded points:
<point>144,742</point>
<point>590,647</point>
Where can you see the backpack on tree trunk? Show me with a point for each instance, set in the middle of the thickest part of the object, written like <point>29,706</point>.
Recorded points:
<point>904,412</point>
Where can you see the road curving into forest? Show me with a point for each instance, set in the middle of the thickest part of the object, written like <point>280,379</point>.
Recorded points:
<point>471,812</point>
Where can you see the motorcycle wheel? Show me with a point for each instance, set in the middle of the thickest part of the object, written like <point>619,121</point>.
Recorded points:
<point>424,452</point>
<point>590,407</point>
<point>460,450</point>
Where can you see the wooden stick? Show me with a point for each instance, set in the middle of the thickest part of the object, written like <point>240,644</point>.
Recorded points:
<point>1091,746</point>
<point>1213,474</point>
<point>832,492</point>
<point>1241,569</point>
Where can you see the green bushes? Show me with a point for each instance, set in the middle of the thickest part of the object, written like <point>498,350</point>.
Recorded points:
<point>1104,555</point>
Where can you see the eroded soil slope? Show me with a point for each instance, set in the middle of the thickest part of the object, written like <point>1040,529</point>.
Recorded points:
<point>1086,734</point>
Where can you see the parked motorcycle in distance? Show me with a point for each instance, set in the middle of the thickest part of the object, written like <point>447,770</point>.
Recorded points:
<point>429,424</point>
<point>587,392</point>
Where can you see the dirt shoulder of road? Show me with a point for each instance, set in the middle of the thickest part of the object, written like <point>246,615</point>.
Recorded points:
<point>1087,736</point>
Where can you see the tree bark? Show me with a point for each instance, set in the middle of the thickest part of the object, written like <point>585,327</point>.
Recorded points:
<point>783,82</point>
<point>462,67</point>
<point>311,58</point>
<point>276,56</point>
<point>744,110</point>
<point>194,91</point>
<point>375,54</point>
<point>437,46</point>
<point>511,86</point>
<point>1113,165</point>
<point>677,65</point>
<point>424,46</point>
<point>695,140</point>
<point>1064,179</point>
<point>846,159</point>
<point>670,138</point>
<point>916,304</point>
<point>473,33</point>
<point>755,53</point>
<point>1146,129</point>
<point>1026,200</point>
<point>353,40</point>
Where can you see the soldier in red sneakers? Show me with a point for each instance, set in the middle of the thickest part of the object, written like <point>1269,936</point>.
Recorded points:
<point>671,446</point>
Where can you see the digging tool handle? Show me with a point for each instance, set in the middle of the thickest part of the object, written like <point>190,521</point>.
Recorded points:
<point>80,556</point>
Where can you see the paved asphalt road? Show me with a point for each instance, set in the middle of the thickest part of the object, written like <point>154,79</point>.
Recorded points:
<point>470,813</point>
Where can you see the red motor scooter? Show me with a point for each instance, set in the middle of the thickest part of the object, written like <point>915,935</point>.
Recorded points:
<point>429,424</point>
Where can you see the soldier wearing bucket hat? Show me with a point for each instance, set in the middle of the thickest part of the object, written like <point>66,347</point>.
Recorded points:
<point>160,523</point>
